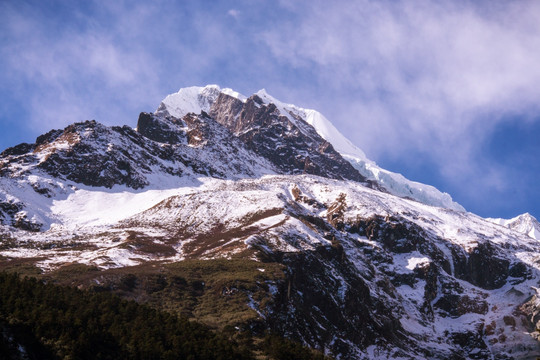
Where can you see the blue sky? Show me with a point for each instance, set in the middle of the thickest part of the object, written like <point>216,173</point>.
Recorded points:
<point>445,92</point>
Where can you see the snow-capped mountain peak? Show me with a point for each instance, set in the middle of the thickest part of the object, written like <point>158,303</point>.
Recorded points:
<point>524,223</point>
<point>394,183</point>
<point>322,125</point>
<point>197,99</point>
<point>194,99</point>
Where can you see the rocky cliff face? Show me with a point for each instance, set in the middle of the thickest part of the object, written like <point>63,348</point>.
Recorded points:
<point>365,274</point>
<point>292,145</point>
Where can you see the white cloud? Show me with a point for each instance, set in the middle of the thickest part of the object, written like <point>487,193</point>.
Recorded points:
<point>425,76</point>
<point>109,63</point>
<point>78,70</point>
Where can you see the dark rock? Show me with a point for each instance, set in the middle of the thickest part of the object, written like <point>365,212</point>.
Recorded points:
<point>486,269</point>
<point>399,235</point>
<point>326,303</point>
<point>164,130</point>
<point>48,137</point>
<point>42,190</point>
<point>460,261</point>
<point>335,212</point>
<point>93,159</point>
<point>10,208</point>
<point>454,305</point>
<point>199,131</point>
<point>531,311</point>
<point>294,148</point>
<point>17,150</point>
<point>404,279</point>
<point>472,345</point>
<point>11,213</point>
<point>430,273</point>
<point>22,222</point>
<point>519,272</point>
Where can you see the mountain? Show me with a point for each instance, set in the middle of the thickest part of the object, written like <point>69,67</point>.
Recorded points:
<point>197,99</point>
<point>254,216</point>
<point>266,128</point>
<point>524,223</point>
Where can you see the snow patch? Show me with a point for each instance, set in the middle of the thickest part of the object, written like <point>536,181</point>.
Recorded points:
<point>415,262</point>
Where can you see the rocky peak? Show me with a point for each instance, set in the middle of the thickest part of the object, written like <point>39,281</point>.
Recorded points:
<point>287,141</point>
<point>190,100</point>
<point>280,136</point>
<point>226,110</point>
<point>93,154</point>
<point>232,109</point>
<point>164,129</point>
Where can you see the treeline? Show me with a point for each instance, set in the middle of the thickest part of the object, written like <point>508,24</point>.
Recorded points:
<point>45,321</point>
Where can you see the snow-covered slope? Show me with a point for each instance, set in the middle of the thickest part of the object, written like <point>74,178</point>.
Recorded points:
<point>524,223</point>
<point>196,99</point>
<point>89,154</point>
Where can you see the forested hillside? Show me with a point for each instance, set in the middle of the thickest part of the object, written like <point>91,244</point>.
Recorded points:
<point>46,321</point>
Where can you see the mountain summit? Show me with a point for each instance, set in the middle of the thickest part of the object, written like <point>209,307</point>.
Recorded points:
<point>524,223</point>
<point>211,99</point>
<point>258,218</point>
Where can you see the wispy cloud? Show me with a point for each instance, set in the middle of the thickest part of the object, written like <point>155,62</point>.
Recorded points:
<point>76,71</point>
<point>425,76</point>
<point>110,60</point>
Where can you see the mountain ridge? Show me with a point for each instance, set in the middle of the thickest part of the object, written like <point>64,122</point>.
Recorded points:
<point>201,99</point>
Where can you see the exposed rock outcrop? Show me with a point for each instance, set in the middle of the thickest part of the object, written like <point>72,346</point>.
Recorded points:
<point>286,140</point>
